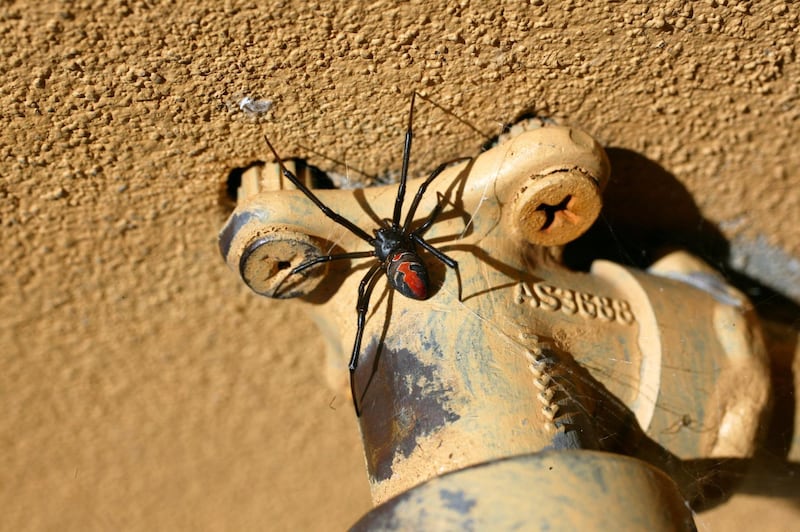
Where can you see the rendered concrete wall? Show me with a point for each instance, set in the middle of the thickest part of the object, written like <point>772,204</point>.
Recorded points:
<point>142,385</point>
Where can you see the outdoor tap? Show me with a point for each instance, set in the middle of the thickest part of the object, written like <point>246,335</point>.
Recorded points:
<point>533,362</point>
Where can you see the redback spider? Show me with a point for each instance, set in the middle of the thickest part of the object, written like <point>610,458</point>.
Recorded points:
<point>394,245</point>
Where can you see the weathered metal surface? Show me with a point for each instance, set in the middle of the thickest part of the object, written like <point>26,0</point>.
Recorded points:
<point>557,490</point>
<point>533,356</point>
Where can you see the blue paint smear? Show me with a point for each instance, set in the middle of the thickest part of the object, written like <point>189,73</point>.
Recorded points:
<point>456,500</point>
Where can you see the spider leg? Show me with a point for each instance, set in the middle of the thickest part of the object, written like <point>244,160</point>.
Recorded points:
<point>445,110</point>
<point>401,189</point>
<point>327,211</point>
<point>441,256</point>
<point>316,260</point>
<point>362,305</point>
<point>327,258</point>
<point>424,186</point>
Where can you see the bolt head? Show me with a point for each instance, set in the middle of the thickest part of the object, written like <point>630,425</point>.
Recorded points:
<point>556,208</point>
<point>268,259</point>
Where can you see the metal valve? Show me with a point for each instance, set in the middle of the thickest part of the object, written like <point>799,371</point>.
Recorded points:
<point>616,371</point>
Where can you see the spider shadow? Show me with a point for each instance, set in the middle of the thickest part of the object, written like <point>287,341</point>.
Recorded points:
<point>480,255</point>
<point>450,192</point>
<point>456,190</point>
<point>376,347</point>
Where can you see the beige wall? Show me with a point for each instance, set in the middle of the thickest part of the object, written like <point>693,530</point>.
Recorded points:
<point>142,385</point>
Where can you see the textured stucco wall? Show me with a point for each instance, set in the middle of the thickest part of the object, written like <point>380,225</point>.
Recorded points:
<point>142,385</point>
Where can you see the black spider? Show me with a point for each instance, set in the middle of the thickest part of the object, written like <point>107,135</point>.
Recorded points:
<point>394,245</point>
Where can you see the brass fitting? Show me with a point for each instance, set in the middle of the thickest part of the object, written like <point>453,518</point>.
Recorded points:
<point>665,366</point>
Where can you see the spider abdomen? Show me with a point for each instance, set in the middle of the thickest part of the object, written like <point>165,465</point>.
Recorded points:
<point>407,274</point>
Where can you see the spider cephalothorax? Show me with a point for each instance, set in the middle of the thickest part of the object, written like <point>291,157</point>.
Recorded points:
<point>405,270</point>
<point>394,245</point>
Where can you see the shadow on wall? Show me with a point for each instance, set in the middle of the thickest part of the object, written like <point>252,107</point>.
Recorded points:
<point>647,212</point>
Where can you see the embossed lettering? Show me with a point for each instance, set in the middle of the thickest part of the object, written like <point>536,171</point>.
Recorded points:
<point>568,303</point>
<point>588,308</point>
<point>571,302</point>
<point>547,299</point>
